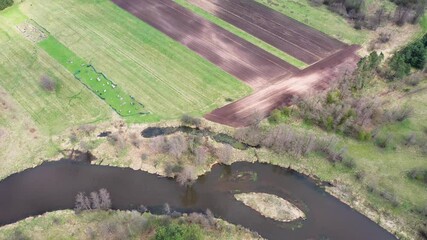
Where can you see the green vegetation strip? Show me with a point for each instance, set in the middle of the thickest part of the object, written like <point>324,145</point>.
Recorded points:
<point>97,82</point>
<point>319,18</point>
<point>239,32</point>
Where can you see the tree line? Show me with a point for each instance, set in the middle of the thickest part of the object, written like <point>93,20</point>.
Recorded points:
<point>5,3</point>
<point>407,11</point>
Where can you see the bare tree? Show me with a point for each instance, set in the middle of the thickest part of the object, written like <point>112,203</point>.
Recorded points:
<point>117,140</point>
<point>177,146</point>
<point>256,118</point>
<point>187,176</point>
<point>201,155</point>
<point>104,196</point>
<point>96,200</point>
<point>134,139</point>
<point>384,37</point>
<point>250,135</point>
<point>190,121</point>
<point>224,154</point>
<point>87,129</point>
<point>82,203</point>
<point>47,83</point>
<point>401,15</point>
<point>158,144</point>
<point>210,217</point>
<point>166,209</point>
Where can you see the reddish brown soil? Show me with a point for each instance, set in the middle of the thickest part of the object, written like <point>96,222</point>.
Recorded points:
<point>286,34</point>
<point>317,77</point>
<point>236,56</point>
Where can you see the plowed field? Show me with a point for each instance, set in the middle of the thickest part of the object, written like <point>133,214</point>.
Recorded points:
<point>282,32</point>
<point>234,55</point>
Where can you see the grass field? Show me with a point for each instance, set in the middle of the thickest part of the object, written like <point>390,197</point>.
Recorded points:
<point>237,31</point>
<point>165,76</point>
<point>103,87</point>
<point>319,18</point>
<point>29,115</point>
<point>22,65</point>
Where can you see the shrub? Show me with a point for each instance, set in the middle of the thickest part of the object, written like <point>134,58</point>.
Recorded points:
<point>279,115</point>
<point>418,175</point>
<point>386,142</point>
<point>190,121</point>
<point>384,37</point>
<point>224,154</point>
<point>87,129</point>
<point>144,156</point>
<point>187,176</point>
<point>364,135</point>
<point>414,79</point>
<point>201,155</point>
<point>177,145</point>
<point>398,114</point>
<point>5,3</point>
<point>275,116</point>
<point>252,135</point>
<point>176,231</point>
<point>47,83</point>
<point>349,162</point>
<point>411,139</point>
<point>359,175</point>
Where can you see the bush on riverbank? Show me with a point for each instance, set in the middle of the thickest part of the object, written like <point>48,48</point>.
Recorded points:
<point>5,3</point>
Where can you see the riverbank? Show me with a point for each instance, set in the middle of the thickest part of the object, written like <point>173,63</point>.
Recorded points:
<point>136,152</point>
<point>118,225</point>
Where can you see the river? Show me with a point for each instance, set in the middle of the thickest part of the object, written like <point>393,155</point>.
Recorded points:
<point>54,185</point>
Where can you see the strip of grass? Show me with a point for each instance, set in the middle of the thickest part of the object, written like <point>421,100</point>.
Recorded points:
<point>167,77</point>
<point>97,82</point>
<point>319,18</point>
<point>241,33</point>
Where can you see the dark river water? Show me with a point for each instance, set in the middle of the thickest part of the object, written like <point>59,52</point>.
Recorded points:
<point>53,186</point>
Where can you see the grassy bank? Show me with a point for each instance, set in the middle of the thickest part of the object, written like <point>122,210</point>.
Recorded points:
<point>120,225</point>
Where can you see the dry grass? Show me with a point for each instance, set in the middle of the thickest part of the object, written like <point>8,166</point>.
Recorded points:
<point>271,206</point>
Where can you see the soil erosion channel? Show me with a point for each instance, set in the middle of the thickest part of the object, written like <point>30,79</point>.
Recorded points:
<point>54,185</point>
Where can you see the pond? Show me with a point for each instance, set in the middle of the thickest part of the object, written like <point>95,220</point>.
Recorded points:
<point>152,132</point>
<point>54,185</point>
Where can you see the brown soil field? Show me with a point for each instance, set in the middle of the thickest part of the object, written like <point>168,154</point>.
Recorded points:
<point>234,55</point>
<point>280,31</point>
<point>315,78</point>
